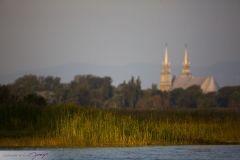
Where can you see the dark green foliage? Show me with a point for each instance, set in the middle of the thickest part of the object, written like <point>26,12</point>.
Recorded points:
<point>229,97</point>
<point>19,117</point>
<point>32,84</point>
<point>25,85</point>
<point>50,83</point>
<point>129,92</point>
<point>153,99</point>
<point>175,95</point>
<point>34,100</point>
<point>189,97</point>
<point>234,99</point>
<point>114,102</point>
<point>89,90</point>
<point>5,95</point>
<point>154,89</point>
<point>153,102</point>
<point>207,101</point>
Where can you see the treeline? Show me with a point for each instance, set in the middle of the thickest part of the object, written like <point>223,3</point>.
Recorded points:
<point>89,90</point>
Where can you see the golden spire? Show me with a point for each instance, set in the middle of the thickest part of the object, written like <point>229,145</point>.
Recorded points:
<point>166,56</point>
<point>186,63</point>
<point>166,76</point>
<point>186,56</point>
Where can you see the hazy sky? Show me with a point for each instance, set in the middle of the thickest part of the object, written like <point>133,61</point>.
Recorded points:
<point>40,34</point>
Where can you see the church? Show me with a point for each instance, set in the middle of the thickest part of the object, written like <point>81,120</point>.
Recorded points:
<point>186,79</point>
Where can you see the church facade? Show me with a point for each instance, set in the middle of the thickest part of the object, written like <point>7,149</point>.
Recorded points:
<point>185,79</point>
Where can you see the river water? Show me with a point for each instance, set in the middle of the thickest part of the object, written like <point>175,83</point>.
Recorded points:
<point>193,152</point>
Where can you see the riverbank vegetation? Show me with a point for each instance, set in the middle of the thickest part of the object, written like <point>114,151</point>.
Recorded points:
<point>74,126</point>
<point>90,111</point>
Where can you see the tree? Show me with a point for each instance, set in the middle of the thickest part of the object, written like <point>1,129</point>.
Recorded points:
<point>51,83</point>
<point>130,92</point>
<point>114,102</point>
<point>234,99</point>
<point>25,85</point>
<point>175,95</point>
<point>207,100</point>
<point>189,97</point>
<point>153,102</point>
<point>35,100</point>
<point>5,95</point>
<point>229,97</point>
<point>89,90</point>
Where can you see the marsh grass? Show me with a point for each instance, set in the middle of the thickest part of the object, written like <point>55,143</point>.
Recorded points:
<point>74,126</point>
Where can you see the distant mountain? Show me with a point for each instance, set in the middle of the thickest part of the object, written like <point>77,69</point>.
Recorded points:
<point>225,74</point>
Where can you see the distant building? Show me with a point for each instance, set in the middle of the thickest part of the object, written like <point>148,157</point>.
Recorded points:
<point>186,79</point>
<point>166,75</point>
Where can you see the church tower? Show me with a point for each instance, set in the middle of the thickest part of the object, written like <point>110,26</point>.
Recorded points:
<point>186,64</point>
<point>166,76</point>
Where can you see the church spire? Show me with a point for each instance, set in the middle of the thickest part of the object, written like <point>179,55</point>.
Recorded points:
<point>166,56</point>
<point>186,63</point>
<point>166,76</point>
<point>186,56</point>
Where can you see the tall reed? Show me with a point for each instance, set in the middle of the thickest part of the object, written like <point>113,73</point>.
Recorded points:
<point>71,125</point>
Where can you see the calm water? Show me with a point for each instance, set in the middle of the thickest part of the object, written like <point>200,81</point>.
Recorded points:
<point>208,152</point>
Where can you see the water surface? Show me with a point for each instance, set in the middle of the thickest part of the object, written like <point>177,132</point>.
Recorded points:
<point>194,152</point>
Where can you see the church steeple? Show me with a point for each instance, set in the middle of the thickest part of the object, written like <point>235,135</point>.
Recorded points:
<point>166,76</point>
<point>166,56</point>
<point>186,64</point>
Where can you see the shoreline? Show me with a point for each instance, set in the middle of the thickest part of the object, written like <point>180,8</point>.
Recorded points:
<point>24,146</point>
<point>2,148</point>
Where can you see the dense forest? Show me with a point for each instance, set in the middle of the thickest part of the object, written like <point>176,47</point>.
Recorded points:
<point>89,90</point>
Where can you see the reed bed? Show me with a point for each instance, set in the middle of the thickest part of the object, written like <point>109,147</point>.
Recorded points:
<point>74,126</point>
